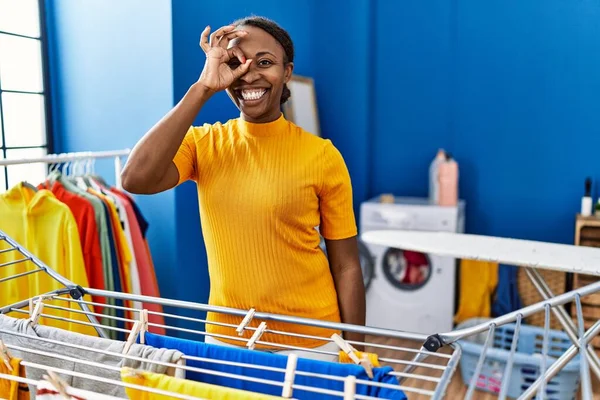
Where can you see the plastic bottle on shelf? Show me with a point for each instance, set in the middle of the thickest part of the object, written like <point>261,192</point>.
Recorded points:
<point>448,182</point>
<point>434,187</point>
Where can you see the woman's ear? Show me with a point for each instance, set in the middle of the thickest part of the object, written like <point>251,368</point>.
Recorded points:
<point>289,69</point>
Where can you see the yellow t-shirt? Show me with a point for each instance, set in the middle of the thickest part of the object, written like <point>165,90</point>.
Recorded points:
<point>44,226</point>
<point>9,389</point>
<point>181,386</point>
<point>262,190</point>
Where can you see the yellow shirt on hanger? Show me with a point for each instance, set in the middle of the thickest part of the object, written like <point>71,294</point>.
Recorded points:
<point>181,386</point>
<point>263,189</point>
<point>44,226</point>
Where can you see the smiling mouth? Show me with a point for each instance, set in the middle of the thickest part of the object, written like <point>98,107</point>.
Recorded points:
<point>251,95</point>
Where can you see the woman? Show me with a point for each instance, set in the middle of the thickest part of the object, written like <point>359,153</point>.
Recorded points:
<point>264,184</point>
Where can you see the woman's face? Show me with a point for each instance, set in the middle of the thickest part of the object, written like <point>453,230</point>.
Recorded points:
<point>257,93</point>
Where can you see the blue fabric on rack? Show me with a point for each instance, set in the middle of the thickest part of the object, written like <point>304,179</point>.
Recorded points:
<point>261,358</point>
<point>507,297</point>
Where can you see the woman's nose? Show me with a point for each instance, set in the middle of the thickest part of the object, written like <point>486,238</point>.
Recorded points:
<point>250,76</point>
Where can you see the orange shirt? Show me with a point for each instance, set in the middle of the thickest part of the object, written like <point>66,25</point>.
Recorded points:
<point>83,212</point>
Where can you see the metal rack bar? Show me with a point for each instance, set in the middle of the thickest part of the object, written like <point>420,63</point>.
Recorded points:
<point>586,383</point>
<point>66,157</point>
<point>569,327</point>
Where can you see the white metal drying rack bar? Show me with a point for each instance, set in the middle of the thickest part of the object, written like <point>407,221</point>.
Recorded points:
<point>77,156</point>
<point>242,340</point>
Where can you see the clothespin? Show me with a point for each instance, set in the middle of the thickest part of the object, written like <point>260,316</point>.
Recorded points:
<point>37,311</point>
<point>346,347</point>
<point>60,385</point>
<point>127,371</point>
<point>290,373</point>
<point>367,365</point>
<point>144,325</point>
<point>140,327</point>
<point>349,387</point>
<point>245,321</point>
<point>5,355</point>
<point>257,334</point>
<point>137,327</point>
<point>351,351</point>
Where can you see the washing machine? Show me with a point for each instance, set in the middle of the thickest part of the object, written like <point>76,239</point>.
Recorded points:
<point>408,290</point>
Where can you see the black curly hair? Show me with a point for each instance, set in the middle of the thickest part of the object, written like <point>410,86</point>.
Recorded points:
<point>280,34</point>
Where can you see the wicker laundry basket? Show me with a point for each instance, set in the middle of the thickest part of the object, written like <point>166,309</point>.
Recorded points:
<point>555,280</point>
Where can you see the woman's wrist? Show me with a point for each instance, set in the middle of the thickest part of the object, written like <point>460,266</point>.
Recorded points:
<point>199,92</point>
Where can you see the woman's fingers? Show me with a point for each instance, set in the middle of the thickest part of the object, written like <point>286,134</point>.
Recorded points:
<point>216,35</point>
<point>236,52</point>
<point>221,37</point>
<point>241,69</point>
<point>224,40</point>
<point>204,45</point>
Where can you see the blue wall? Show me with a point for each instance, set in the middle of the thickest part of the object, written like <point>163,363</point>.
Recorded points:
<point>510,88</point>
<point>111,68</point>
<point>525,108</point>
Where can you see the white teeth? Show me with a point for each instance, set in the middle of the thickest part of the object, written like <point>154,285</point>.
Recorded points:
<point>253,94</point>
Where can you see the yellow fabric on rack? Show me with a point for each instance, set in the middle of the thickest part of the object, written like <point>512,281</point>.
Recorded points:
<point>13,390</point>
<point>44,226</point>
<point>345,359</point>
<point>478,280</point>
<point>181,386</point>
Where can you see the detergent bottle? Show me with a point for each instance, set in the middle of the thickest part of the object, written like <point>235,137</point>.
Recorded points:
<point>448,182</point>
<point>434,187</point>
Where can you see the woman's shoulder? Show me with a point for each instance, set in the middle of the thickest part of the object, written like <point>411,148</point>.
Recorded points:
<point>309,137</point>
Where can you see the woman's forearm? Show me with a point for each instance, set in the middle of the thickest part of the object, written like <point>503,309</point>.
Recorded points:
<point>149,168</point>
<point>352,303</point>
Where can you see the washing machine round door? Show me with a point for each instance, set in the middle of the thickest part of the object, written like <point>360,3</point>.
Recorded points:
<point>406,270</point>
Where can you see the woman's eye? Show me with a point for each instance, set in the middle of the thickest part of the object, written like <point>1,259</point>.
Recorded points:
<point>233,64</point>
<point>264,62</point>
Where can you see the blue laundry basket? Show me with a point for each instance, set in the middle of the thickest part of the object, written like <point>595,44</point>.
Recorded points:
<point>526,363</point>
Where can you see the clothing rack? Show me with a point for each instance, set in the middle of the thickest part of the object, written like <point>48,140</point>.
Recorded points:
<point>72,157</point>
<point>417,368</point>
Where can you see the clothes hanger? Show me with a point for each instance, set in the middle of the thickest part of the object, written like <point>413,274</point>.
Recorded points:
<point>29,186</point>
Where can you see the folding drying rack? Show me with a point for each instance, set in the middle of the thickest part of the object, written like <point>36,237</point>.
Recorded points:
<point>424,370</point>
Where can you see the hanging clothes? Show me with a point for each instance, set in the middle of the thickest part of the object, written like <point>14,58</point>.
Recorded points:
<point>181,386</point>
<point>102,226</point>
<point>147,276</point>
<point>13,390</point>
<point>123,252</point>
<point>478,280</point>
<point>507,297</point>
<point>85,218</point>
<point>46,227</point>
<point>253,357</point>
<point>149,353</point>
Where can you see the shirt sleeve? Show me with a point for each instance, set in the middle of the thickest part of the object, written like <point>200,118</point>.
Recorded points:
<point>335,198</point>
<point>186,158</point>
